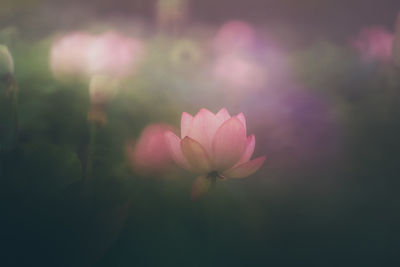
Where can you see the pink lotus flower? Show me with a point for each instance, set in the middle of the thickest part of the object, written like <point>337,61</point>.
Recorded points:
<point>374,43</point>
<point>214,146</point>
<point>150,155</point>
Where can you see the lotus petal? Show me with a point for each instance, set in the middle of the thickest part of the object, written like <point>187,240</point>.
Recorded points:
<point>203,128</point>
<point>174,147</point>
<point>248,152</point>
<point>241,117</point>
<point>245,169</point>
<point>186,122</point>
<point>229,144</point>
<point>222,116</point>
<point>196,155</point>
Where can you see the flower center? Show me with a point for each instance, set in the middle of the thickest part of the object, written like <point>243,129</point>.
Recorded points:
<point>213,174</point>
<point>213,177</point>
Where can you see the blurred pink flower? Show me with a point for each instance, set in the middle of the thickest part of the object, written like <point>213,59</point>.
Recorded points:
<point>150,153</point>
<point>234,35</point>
<point>85,55</point>
<point>114,54</point>
<point>396,42</point>
<point>214,146</point>
<point>236,71</point>
<point>69,55</point>
<point>374,43</point>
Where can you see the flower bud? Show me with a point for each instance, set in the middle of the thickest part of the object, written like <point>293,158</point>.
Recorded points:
<point>7,82</point>
<point>374,44</point>
<point>8,101</point>
<point>6,62</point>
<point>102,89</point>
<point>396,44</point>
<point>150,154</point>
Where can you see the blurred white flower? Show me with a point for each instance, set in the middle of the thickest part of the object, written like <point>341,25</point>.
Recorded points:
<point>85,55</point>
<point>69,55</point>
<point>114,54</point>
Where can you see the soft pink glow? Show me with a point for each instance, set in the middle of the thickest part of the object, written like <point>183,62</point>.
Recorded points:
<point>69,55</point>
<point>374,43</point>
<point>236,71</point>
<point>150,153</point>
<point>85,55</point>
<point>114,54</point>
<point>214,145</point>
<point>396,42</point>
<point>234,36</point>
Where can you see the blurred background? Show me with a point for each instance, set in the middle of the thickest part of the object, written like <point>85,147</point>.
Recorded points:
<point>88,88</point>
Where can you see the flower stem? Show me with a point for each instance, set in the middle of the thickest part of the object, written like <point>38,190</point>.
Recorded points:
<point>15,114</point>
<point>91,150</point>
<point>9,119</point>
<point>213,182</point>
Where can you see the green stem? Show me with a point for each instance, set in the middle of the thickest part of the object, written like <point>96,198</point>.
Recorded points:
<point>213,182</point>
<point>15,114</point>
<point>91,150</point>
<point>212,221</point>
<point>9,108</point>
